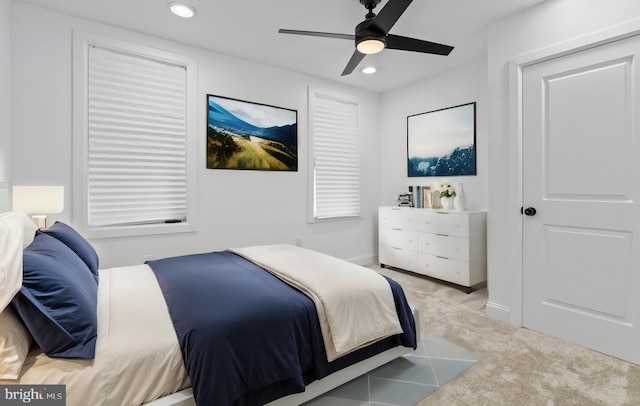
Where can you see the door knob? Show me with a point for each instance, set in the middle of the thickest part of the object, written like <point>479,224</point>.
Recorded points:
<point>530,211</point>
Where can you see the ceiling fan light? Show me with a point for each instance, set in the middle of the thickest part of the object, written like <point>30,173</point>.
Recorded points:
<point>370,46</point>
<point>182,10</point>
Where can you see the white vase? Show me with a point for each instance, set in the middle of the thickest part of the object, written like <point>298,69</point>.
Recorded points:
<point>447,203</point>
<point>460,201</point>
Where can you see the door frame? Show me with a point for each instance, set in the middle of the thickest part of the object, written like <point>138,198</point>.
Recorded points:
<point>514,314</point>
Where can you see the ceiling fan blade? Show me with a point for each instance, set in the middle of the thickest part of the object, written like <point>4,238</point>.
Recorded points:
<point>389,14</point>
<point>356,58</point>
<point>417,45</point>
<point>318,34</point>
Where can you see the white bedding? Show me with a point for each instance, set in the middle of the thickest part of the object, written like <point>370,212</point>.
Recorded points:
<point>16,232</point>
<point>350,317</point>
<point>137,358</point>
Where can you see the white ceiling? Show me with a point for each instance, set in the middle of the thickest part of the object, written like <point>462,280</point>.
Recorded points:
<point>248,29</point>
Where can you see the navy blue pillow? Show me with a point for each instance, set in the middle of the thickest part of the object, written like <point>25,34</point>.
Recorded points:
<point>72,239</point>
<point>58,299</point>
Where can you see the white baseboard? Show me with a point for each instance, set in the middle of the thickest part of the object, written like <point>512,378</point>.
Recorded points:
<point>364,261</point>
<point>498,312</point>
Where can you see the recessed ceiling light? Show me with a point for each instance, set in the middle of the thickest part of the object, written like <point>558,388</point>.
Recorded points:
<point>369,70</point>
<point>182,10</point>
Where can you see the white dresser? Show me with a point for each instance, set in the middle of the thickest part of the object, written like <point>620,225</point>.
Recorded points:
<point>448,245</point>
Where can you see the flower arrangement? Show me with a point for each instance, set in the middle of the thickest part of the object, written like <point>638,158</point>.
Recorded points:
<point>444,189</point>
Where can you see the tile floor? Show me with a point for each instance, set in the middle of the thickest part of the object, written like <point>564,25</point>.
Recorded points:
<point>404,381</point>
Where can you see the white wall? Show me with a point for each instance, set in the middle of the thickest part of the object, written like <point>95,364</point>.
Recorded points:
<point>5,86</point>
<point>460,86</point>
<point>235,207</point>
<point>544,26</point>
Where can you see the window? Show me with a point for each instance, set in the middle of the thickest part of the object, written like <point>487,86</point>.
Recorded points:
<point>133,136</point>
<point>333,124</point>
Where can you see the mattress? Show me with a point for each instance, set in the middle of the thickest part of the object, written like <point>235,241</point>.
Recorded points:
<point>136,347</point>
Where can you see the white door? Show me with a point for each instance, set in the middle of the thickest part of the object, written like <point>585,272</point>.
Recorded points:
<point>581,169</point>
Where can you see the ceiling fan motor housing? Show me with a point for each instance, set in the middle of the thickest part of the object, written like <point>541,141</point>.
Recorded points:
<point>367,31</point>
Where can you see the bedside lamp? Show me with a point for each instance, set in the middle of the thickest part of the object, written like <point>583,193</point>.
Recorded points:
<point>38,201</point>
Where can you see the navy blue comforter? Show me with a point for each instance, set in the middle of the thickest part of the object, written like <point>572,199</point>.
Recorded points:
<point>248,338</point>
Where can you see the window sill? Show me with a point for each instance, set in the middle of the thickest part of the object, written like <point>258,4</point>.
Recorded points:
<point>138,230</point>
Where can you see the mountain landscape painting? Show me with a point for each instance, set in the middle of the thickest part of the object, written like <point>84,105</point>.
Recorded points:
<point>247,135</point>
<point>442,142</point>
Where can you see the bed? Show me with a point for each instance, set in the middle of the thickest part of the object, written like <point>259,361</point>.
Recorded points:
<point>126,339</point>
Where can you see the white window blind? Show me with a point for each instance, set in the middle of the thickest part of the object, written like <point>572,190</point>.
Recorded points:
<point>336,171</point>
<point>137,136</point>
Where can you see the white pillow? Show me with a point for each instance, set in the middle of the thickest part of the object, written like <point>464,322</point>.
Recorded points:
<point>15,341</point>
<point>17,231</point>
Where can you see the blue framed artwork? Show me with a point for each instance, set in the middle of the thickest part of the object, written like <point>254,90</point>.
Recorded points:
<point>442,142</point>
<point>247,135</point>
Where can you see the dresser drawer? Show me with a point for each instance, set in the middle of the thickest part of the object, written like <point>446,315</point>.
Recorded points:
<point>398,217</point>
<point>444,246</point>
<point>447,223</point>
<point>399,258</point>
<point>395,238</point>
<point>446,269</point>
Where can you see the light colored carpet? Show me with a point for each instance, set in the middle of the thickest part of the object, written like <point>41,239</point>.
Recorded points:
<point>517,366</point>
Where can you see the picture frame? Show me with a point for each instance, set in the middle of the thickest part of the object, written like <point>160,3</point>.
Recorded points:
<point>442,142</point>
<point>427,197</point>
<point>250,136</point>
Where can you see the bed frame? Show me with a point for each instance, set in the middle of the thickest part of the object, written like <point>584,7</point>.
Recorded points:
<point>316,388</point>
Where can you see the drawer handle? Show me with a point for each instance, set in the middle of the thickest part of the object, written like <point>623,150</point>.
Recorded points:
<point>397,229</point>
<point>396,209</point>
<point>442,212</point>
<point>443,235</point>
<point>441,257</point>
<point>396,248</point>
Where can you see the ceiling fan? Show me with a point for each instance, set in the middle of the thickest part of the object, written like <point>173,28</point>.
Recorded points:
<point>372,35</point>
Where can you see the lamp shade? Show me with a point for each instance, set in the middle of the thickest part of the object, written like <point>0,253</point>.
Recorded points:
<point>38,199</point>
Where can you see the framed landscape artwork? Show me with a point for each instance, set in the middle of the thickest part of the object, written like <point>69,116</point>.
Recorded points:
<point>442,142</point>
<point>247,135</point>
